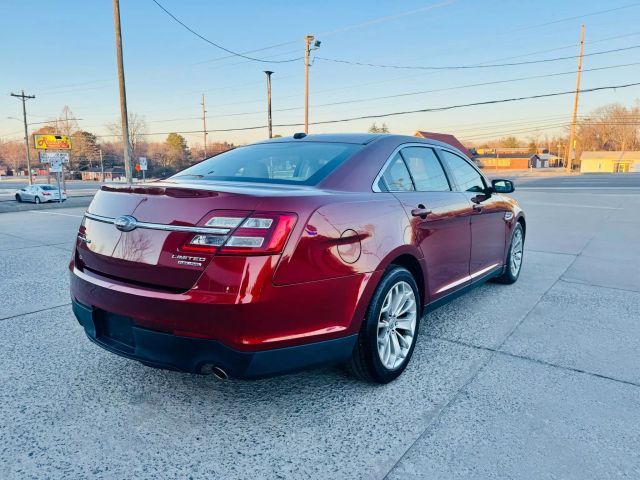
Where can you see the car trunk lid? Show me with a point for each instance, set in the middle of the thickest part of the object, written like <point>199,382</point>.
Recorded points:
<point>151,253</point>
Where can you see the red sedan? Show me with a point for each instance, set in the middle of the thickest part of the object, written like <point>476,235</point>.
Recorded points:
<point>292,253</point>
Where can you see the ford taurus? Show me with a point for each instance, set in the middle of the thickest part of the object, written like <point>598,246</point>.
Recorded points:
<point>290,254</point>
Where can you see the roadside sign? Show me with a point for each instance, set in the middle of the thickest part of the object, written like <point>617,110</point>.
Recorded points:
<point>143,163</point>
<point>57,142</point>
<point>50,157</point>
<point>55,165</point>
<point>137,167</point>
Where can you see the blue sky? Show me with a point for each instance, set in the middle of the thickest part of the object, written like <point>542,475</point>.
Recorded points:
<point>64,53</point>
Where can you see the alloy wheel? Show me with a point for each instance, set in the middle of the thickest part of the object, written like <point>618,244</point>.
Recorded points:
<point>397,325</point>
<point>515,262</point>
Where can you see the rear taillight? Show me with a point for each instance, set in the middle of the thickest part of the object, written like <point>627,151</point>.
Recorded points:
<point>46,194</point>
<point>256,234</point>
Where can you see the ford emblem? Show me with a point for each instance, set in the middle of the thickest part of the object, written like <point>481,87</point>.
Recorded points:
<point>125,223</point>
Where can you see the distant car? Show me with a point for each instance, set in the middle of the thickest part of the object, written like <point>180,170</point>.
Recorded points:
<point>292,253</point>
<point>39,194</point>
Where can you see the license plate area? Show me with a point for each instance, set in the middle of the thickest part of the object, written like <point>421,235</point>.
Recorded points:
<point>113,329</point>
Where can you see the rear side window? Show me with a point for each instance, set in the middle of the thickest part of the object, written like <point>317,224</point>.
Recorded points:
<point>426,171</point>
<point>467,178</point>
<point>396,177</point>
<point>300,163</point>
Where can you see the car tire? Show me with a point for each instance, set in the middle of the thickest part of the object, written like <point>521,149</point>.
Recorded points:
<point>398,339</point>
<point>37,200</point>
<point>514,257</point>
<point>18,198</point>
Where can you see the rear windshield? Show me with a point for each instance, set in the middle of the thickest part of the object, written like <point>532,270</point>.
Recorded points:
<point>293,163</point>
<point>48,187</point>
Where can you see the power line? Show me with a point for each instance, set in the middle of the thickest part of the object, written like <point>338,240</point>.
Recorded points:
<point>529,27</point>
<point>217,45</point>
<point>421,92</point>
<point>406,112</point>
<point>459,67</point>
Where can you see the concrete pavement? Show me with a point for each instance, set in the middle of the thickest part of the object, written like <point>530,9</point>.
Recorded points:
<point>534,380</point>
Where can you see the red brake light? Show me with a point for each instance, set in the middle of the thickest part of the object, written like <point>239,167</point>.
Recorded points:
<point>259,233</point>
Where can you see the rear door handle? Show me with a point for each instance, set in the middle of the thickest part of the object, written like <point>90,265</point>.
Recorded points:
<point>421,211</point>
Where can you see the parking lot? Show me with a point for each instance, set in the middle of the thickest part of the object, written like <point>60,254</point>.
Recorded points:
<point>540,379</point>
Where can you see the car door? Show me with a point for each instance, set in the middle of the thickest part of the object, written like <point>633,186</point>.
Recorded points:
<point>488,225</point>
<point>439,216</point>
<point>29,193</point>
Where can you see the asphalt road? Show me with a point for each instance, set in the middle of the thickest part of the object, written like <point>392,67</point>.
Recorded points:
<point>535,380</point>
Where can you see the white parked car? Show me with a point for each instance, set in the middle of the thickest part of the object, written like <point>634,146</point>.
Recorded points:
<point>39,194</point>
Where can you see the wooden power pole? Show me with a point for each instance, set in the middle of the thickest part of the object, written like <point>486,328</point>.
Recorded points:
<point>123,94</point>
<point>204,125</point>
<point>24,99</point>
<point>571,148</point>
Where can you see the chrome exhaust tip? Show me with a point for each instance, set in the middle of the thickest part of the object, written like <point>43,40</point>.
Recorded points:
<point>219,373</point>
<point>210,369</point>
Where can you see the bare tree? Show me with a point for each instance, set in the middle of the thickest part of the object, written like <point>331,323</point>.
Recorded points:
<point>66,123</point>
<point>137,132</point>
<point>612,127</point>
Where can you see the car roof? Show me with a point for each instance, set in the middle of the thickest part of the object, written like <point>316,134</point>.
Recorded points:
<point>356,138</point>
<point>359,139</point>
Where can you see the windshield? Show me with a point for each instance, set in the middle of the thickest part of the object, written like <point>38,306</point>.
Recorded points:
<point>294,163</point>
<point>48,187</point>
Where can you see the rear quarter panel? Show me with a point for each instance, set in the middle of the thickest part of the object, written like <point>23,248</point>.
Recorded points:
<point>354,234</point>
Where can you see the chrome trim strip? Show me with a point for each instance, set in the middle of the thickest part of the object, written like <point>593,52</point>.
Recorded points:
<point>163,227</point>
<point>468,277</point>
<point>451,149</point>
<point>484,270</point>
<point>453,284</point>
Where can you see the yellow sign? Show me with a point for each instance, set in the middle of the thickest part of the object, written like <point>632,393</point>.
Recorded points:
<point>57,142</point>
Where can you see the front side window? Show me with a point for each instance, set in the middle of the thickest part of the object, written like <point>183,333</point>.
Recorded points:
<point>396,177</point>
<point>299,163</point>
<point>467,178</point>
<point>426,171</point>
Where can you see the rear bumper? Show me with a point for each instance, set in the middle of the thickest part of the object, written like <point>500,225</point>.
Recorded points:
<point>187,354</point>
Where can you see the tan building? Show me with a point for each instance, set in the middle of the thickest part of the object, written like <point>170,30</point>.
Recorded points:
<point>610,162</point>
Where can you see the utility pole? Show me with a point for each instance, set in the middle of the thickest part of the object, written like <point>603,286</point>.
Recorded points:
<point>269,73</point>
<point>204,125</point>
<point>572,138</point>
<point>24,99</point>
<point>101,168</point>
<point>123,93</point>
<point>307,50</point>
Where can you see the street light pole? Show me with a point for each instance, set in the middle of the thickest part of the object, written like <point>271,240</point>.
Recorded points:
<point>24,99</point>
<point>307,50</point>
<point>123,93</point>
<point>269,73</point>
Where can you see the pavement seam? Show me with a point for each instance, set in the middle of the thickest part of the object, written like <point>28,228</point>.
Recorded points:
<point>551,253</point>
<point>535,360</point>
<point>35,311</point>
<point>22,238</point>
<point>55,245</point>
<point>439,410</point>
<point>577,282</point>
<point>492,353</point>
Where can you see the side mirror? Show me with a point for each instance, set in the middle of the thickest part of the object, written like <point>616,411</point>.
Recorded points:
<point>502,186</point>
